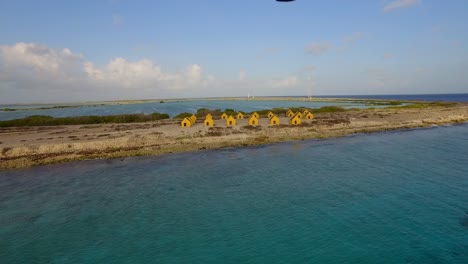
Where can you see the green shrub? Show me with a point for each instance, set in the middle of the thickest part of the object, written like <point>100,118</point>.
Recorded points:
<point>183,115</point>
<point>230,111</point>
<point>202,112</point>
<point>328,109</point>
<point>38,120</point>
<point>9,109</point>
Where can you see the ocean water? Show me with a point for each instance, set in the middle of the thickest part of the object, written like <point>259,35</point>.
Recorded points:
<point>177,107</point>
<point>460,97</point>
<point>396,197</point>
<point>171,108</point>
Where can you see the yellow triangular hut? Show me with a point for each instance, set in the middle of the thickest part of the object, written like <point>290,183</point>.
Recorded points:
<point>186,122</point>
<point>240,115</point>
<point>305,112</point>
<point>194,117</point>
<point>255,114</point>
<point>253,121</point>
<point>209,122</point>
<point>270,114</point>
<point>309,116</point>
<point>224,116</point>
<point>274,120</point>
<point>231,121</point>
<point>209,116</point>
<point>295,120</point>
<point>299,114</point>
<point>289,113</point>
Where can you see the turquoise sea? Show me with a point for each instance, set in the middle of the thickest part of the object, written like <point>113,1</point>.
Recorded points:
<point>174,108</point>
<point>396,197</point>
<point>170,108</point>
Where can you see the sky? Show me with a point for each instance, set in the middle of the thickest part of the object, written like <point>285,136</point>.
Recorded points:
<point>71,51</point>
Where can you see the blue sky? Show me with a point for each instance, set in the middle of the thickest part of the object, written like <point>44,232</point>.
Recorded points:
<point>116,49</point>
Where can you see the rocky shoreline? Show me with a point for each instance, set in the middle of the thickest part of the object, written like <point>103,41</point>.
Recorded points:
<point>31,146</point>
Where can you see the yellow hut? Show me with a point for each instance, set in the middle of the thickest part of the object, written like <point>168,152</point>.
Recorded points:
<point>295,120</point>
<point>209,116</point>
<point>209,122</point>
<point>305,112</point>
<point>255,114</point>
<point>186,122</point>
<point>270,114</point>
<point>194,117</point>
<point>224,116</point>
<point>289,113</point>
<point>299,114</point>
<point>253,121</point>
<point>231,121</point>
<point>309,116</point>
<point>274,120</point>
<point>240,115</point>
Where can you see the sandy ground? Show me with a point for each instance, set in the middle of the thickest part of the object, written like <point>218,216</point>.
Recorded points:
<point>28,146</point>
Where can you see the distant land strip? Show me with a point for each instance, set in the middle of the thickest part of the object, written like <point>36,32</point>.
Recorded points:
<point>31,145</point>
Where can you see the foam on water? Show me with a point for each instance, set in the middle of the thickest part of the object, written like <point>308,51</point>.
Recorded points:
<point>399,197</point>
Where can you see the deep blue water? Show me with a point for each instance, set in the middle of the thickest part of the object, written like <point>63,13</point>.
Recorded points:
<point>462,97</point>
<point>398,197</point>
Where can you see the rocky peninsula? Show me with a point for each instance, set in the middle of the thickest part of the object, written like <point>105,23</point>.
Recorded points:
<point>36,145</point>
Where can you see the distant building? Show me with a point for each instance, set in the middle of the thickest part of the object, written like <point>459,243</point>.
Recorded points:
<point>209,122</point>
<point>299,114</point>
<point>209,116</point>
<point>253,121</point>
<point>224,116</point>
<point>295,120</point>
<point>240,115</point>
<point>255,114</point>
<point>289,113</point>
<point>274,120</point>
<point>187,122</point>
<point>309,116</point>
<point>305,112</point>
<point>270,114</point>
<point>231,121</point>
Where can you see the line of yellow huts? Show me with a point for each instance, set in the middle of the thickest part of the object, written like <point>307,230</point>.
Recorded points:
<point>294,118</point>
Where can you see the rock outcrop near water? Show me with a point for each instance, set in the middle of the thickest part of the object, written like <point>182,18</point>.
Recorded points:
<point>28,146</point>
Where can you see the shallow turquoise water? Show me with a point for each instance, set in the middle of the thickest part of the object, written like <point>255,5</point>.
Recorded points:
<point>399,197</point>
<point>170,108</point>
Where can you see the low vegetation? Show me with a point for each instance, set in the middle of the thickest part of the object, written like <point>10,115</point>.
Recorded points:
<point>328,109</point>
<point>425,105</point>
<point>202,112</point>
<point>183,115</point>
<point>39,120</point>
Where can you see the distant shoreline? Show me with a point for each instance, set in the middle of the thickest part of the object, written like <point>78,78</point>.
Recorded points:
<point>318,98</point>
<point>31,146</point>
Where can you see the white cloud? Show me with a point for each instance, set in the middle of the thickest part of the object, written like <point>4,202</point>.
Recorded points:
<point>290,81</point>
<point>34,67</point>
<point>39,58</point>
<point>398,4</point>
<point>317,48</point>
